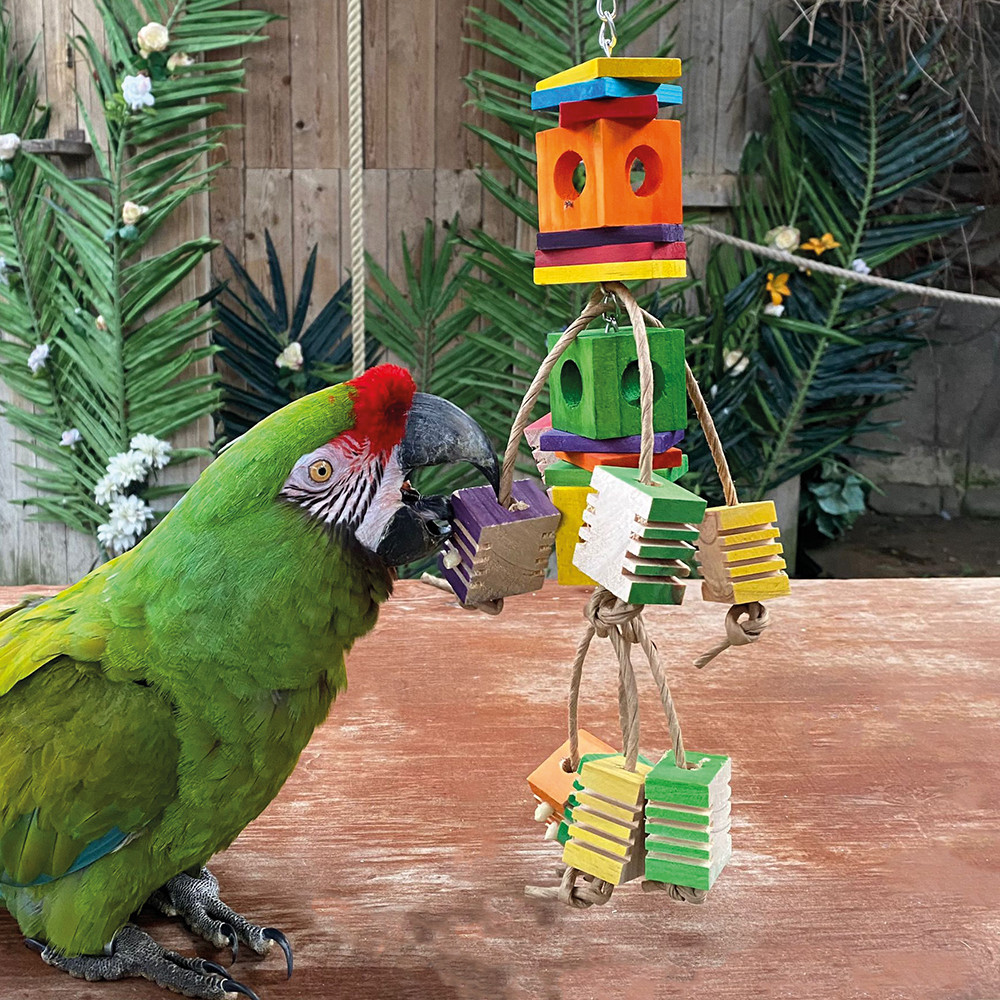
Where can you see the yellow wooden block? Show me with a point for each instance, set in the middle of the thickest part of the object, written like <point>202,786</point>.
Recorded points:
<point>742,515</point>
<point>603,866</point>
<point>760,590</point>
<point>608,777</point>
<point>571,502</point>
<point>752,552</point>
<point>742,537</point>
<point>594,803</point>
<point>768,566</point>
<point>597,821</point>
<point>739,554</point>
<point>627,270</point>
<point>609,845</point>
<point>650,70</point>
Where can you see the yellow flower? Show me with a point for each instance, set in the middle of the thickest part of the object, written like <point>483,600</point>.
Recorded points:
<point>820,244</point>
<point>778,287</point>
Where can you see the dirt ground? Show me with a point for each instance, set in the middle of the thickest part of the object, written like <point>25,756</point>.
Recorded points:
<point>882,545</point>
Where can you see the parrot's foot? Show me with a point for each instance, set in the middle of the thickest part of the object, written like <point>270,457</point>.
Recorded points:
<point>134,953</point>
<point>195,898</point>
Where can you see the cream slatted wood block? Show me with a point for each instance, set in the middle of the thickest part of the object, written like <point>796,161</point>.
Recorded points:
<point>634,536</point>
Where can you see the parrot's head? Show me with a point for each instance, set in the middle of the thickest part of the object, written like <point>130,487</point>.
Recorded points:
<point>358,481</point>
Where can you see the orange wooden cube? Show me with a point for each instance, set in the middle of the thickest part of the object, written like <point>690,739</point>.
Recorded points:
<point>608,149</point>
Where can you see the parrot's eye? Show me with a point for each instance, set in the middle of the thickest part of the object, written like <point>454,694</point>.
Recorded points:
<point>320,471</point>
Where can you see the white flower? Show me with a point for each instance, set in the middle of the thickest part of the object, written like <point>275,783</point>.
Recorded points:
<point>127,467</point>
<point>773,310</point>
<point>115,543</point>
<point>179,60</point>
<point>132,213</point>
<point>155,453</point>
<point>129,515</point>
<point>735,362</point>
<point>38,357</point>
<point>138,92</point>
<point>153,37</point>
<point>101,323</point>
<point>9,145</point>
<point>70,438</point>
<point>291,357</point>
<point>4,280</point>
<point>105,490</point>
<point>783,237</point>
<point>860,266</point>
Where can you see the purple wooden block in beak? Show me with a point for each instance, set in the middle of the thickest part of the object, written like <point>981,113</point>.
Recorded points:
<point>495,552</point>
<point>555,440</point>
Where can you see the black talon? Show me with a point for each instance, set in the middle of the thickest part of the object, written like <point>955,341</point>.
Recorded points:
<point>275,935</point>
<point>32,945</point>
<point>234,941</point>
<point>231,986</point>
<point>216,970</point>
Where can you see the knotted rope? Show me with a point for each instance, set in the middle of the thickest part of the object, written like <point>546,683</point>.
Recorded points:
<point>738,633</point>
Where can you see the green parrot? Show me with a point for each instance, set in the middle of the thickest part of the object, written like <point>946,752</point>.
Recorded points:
<point>152,710</point>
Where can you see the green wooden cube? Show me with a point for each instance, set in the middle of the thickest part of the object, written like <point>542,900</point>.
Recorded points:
<point>687,820</point>
<point>594,387</point>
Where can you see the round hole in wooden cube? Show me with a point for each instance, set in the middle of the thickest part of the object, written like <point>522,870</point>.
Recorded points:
<point>570,175</point>
<point>630,383</point>
<point>645,170</point>
<point>571,383</point>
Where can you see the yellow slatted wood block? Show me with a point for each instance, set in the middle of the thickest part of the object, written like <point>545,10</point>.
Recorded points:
<point>740,555</point>
<point>649,70</point>
<point>605,831</point>
<point>629,270</point>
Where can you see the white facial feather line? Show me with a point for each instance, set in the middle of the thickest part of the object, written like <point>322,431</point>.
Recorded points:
<point>360,492</point>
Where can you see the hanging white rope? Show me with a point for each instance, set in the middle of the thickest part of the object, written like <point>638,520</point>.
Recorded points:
<point>356,172</point>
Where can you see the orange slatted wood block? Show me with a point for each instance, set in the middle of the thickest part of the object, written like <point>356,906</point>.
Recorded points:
<point>608,150</point>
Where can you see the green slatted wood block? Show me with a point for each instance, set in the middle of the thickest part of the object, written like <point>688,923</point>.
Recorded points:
<point>687,820</point>
<point>594,387</point>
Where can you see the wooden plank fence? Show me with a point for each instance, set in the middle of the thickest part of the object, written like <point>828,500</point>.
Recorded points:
<point>286,171</point>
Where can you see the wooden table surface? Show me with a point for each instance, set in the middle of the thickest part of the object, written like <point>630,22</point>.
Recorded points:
<point>864,734</point>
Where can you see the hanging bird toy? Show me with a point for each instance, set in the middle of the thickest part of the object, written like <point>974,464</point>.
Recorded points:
<point>610,210</point>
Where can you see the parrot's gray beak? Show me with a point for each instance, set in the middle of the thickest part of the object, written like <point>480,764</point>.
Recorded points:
<point>437,433</point>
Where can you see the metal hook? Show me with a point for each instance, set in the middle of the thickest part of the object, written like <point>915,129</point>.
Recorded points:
<point>607,38</point>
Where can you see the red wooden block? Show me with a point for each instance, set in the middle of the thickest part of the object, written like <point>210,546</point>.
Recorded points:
<point>669,459</point>
<point>643,107</point>
<point>611,254</point>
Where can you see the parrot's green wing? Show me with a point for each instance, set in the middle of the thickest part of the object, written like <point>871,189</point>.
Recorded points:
<point>86,761</point>
<point>35,633</point>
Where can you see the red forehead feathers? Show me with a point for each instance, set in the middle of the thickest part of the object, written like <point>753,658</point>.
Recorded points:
<point>382,399</point>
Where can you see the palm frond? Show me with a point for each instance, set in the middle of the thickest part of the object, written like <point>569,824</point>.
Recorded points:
<point>88,286</point>
<point>256,328</point>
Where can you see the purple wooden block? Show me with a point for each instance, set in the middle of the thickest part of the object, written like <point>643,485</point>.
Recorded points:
<point>564,441</point>
<point>477,508</point>
<point>608,235</point>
